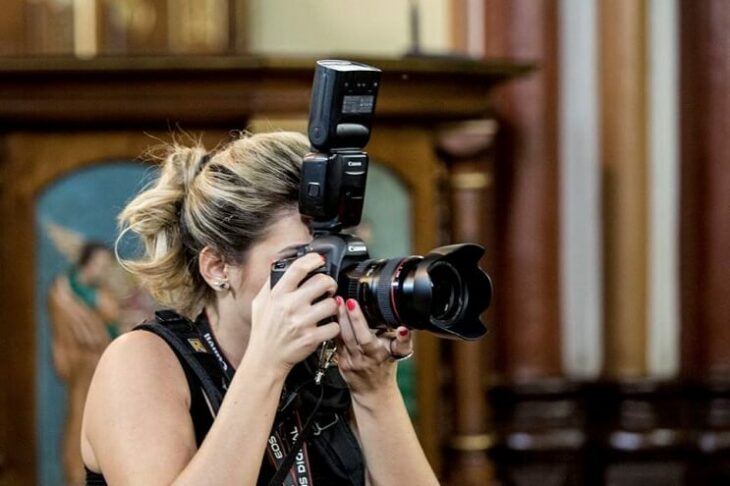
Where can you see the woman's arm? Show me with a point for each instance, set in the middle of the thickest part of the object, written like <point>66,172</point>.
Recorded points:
<point>393,454</point>
<point>138,429</point>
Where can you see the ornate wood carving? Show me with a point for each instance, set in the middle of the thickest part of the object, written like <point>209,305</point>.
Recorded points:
<point>223,91</point>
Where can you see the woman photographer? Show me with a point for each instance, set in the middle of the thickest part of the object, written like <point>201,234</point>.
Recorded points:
<point>212,225</point>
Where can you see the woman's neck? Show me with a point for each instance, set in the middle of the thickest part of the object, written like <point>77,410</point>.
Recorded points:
<point>231,333</point>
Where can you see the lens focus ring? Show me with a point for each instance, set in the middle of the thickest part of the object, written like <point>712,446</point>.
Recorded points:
<point>383,292</point>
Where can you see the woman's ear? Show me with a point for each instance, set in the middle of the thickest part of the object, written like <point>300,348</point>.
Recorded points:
<point>213,268</point>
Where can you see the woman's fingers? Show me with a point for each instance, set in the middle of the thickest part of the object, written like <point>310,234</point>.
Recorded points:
<point>325,332</point>
<point>369,344</point>
<point>315,287</point>
<point>323,309</point>
<point>402,344</point>
<point>297,271</point>
<point>346,332</point>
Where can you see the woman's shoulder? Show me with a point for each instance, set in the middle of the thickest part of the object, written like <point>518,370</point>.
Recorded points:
<point>138,400</point>
<point>138,366</point>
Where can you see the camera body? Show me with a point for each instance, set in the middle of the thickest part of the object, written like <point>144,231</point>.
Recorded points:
<point>443,292</point>
<point>340,251</point>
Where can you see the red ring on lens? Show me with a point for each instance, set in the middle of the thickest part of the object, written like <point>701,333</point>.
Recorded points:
<point>394,287</point>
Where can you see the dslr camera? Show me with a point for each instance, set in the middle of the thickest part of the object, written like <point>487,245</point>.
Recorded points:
<point>443,292</point>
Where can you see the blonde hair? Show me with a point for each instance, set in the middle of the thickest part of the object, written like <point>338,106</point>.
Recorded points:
<point>225,200</point>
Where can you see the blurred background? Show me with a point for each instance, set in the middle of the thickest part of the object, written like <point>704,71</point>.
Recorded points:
<point>584,143</point>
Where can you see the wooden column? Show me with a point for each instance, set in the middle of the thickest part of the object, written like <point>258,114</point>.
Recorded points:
<point>539,416</point>
<point>705,226</point>
<point>640,440</point>
<point>471,190</point>
<point>624,153</point>
<point>459,22</point>
<point>705,196</point>
<point>527,195</point>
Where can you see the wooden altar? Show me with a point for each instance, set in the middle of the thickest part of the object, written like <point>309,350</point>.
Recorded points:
<point>58,115</point>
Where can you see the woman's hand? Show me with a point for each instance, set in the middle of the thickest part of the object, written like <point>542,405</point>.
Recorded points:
<point>366,360</point>
<point>284,319</point>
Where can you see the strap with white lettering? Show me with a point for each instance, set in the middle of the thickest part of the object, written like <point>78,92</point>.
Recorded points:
<point>212,345</point>
<point>279,448</point>
<point>297,451</point>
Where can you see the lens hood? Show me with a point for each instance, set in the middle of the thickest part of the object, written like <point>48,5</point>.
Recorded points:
<point>450,291</point>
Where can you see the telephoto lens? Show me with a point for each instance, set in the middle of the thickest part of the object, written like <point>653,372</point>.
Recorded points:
<point>444,292</point>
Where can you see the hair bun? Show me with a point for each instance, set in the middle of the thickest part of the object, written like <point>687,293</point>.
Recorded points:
<point>186,163</point>
<point>188,208</point>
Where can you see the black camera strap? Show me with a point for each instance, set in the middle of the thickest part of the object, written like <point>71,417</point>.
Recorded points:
<point>297,455</point>
<point>181,335</point>
<point>212,346</point>
<point>287,448</point>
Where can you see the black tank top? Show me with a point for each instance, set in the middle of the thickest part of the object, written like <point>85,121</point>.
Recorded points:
<point>325,450</point>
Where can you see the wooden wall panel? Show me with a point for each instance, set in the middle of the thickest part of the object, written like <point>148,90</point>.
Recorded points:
<point>12,28</point>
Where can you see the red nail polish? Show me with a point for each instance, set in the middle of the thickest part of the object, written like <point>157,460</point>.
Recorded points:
<point>339,300</point>
<point>351,304</point>
<point>403,332</point>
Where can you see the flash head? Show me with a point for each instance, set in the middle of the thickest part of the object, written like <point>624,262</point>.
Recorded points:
<point>343,103</point>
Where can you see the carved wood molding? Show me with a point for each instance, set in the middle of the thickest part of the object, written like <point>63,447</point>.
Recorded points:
<point>224,91</point>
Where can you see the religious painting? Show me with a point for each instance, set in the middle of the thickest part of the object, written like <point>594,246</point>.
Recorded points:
<point>84,300</point>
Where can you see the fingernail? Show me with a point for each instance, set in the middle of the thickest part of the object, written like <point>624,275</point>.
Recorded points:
<point>339,300</point>
<point>403,332</point>
<point>351,304</point>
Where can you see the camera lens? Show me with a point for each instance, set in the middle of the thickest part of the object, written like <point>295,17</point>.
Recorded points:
<point>375,284</point>
<point>444,292</point>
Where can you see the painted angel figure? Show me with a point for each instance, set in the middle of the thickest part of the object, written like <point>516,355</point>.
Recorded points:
<point>89,304</point>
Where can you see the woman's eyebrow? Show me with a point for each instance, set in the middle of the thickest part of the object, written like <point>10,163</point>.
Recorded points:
<point>289,249</point>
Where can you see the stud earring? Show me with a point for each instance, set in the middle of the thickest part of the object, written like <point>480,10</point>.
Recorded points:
<point>222,284</point>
